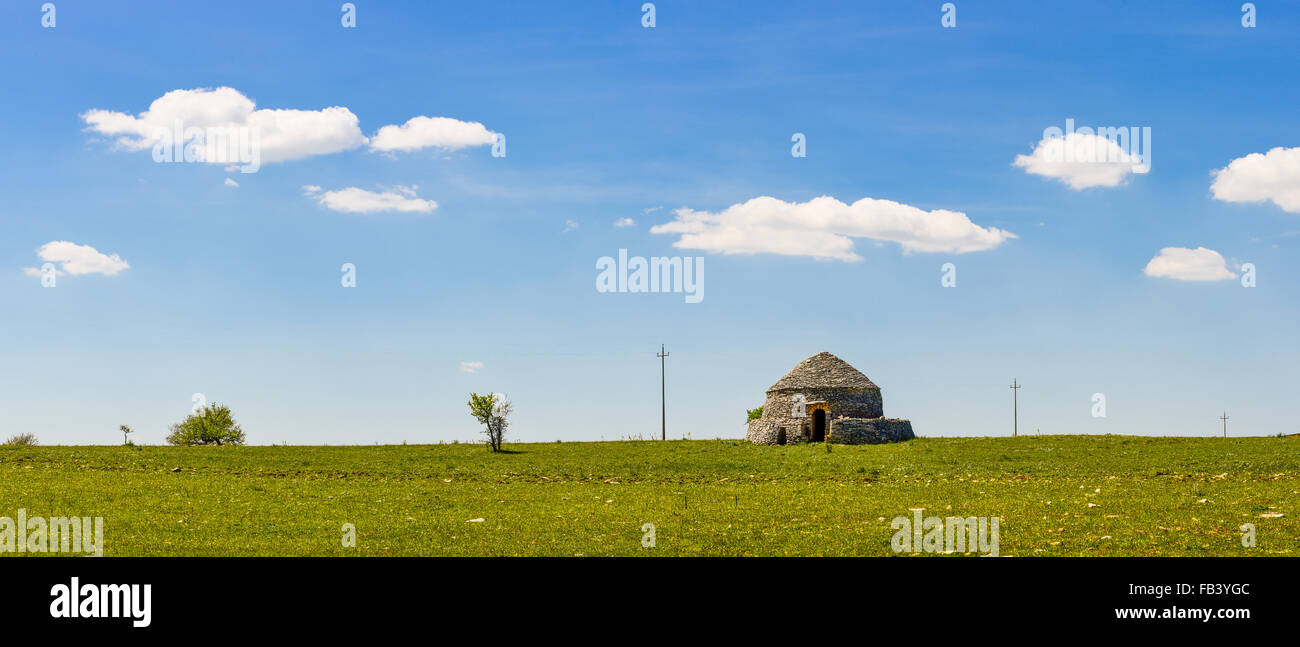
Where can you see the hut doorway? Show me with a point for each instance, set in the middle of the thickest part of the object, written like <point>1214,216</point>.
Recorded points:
<point>819,426</point>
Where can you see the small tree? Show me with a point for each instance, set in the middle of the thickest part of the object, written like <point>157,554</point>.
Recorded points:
<point>753,414</point>
<point>212,425</point>
<point>23,440</point>
<point>126,431</point>
<point>493,411</point>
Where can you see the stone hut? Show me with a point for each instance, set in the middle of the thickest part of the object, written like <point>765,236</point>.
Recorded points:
<point>824,399</point>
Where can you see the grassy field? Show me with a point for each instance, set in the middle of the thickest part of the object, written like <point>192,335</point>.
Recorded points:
<point>1056,495</point>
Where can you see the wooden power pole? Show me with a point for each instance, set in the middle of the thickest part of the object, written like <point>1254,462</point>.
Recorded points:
<point>1015,408</point>
<point>663,392</point>
<point>1224,418</point>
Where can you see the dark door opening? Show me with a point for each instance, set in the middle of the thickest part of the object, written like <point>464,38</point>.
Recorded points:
<point>819,426</point>
<point>780,436</point>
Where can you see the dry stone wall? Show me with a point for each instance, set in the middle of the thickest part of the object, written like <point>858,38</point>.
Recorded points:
<point>870,431</point>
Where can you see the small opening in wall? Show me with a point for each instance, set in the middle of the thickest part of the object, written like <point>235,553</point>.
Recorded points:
<point>780,436</point>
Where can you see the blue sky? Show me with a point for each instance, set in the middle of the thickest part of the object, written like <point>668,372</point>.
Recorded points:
<point>234,291</point>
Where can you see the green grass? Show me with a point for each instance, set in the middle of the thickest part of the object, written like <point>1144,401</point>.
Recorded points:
<point>1158,496</point>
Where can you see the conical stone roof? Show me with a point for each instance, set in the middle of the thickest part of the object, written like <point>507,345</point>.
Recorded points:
<point>822,371</point>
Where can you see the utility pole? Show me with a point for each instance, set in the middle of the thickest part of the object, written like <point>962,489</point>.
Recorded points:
<point>663,392</point>
<point>1015,408</point>
<point>1224,418</point>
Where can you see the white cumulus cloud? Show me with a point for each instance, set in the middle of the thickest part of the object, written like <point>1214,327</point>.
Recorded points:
<point>625,222</point>
<point>73,259</point>
<point>1185,264</point>
<point>1081,161</point>
<point>824,228</point>
<point>1273,176</point>
<point>431,132</point>
<point>355,200</point>
<point>470,367</point>
<point>282,134</point>
<point>231,183</point>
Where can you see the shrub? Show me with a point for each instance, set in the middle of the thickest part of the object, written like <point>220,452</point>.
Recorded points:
<point>23,440</point>
<point>753,414</point>
<point>213,425</point>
